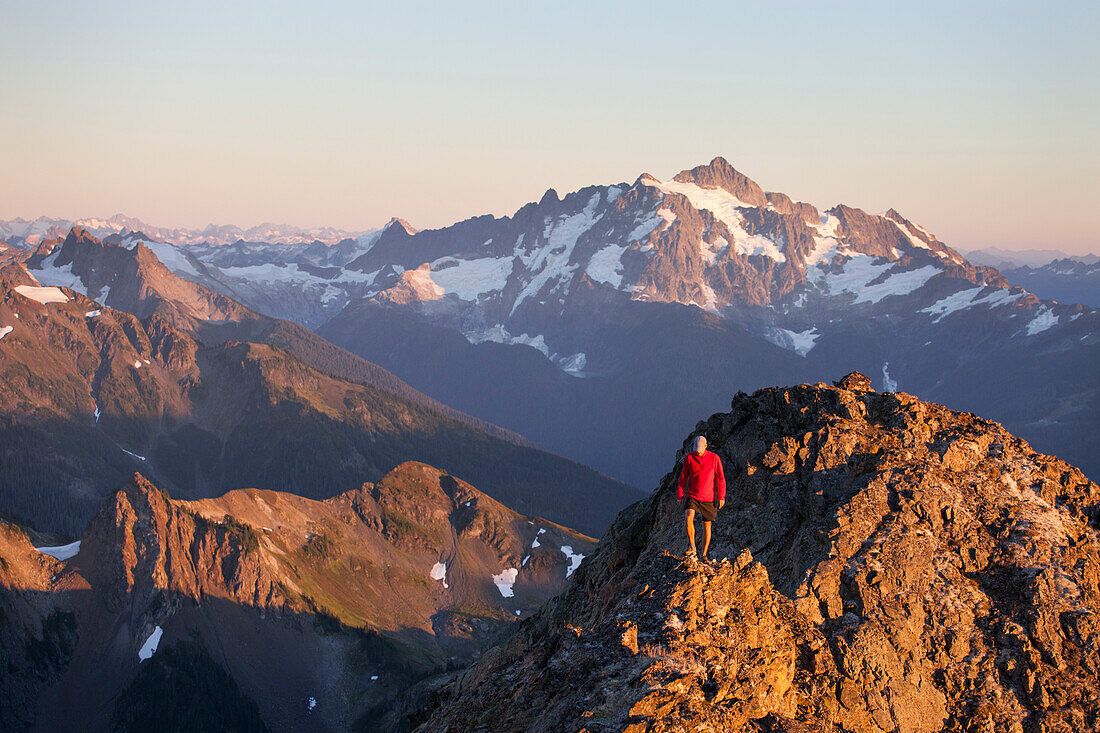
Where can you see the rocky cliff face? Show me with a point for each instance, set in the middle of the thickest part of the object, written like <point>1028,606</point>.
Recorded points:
<point>346,602</point>
<point>881,564</point>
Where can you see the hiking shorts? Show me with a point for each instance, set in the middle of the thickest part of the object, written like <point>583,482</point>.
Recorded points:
<point>707,510</point>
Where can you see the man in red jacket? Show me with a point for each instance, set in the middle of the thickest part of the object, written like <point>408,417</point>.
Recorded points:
<point>701,488</point>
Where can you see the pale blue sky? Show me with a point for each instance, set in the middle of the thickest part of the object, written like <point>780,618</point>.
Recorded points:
<point>978,121</point>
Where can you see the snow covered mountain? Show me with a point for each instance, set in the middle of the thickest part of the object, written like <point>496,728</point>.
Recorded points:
<point>1009,258</point>
<point>26,234</point>
<point>633,307</point>
<point>687,290</point>
<point>1067,280</point>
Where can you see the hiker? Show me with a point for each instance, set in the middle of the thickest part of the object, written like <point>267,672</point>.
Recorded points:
<point>702,489</point>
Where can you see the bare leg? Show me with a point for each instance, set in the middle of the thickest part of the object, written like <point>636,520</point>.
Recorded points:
<point>706,538</point>
<point>689,516</point>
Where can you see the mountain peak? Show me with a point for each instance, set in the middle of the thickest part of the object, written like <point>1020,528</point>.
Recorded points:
<point>856,525</point>
<point>720,174</point>
<point>77,232</point>
<point>399,225</point>
<point>855,381</point>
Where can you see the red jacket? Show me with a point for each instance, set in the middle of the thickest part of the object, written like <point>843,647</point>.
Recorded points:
<point>702,476</point>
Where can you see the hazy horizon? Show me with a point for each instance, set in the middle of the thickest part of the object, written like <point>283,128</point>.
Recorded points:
<point>977,122</point>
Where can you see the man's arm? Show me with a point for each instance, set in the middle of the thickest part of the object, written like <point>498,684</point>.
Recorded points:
<point>720,480</point>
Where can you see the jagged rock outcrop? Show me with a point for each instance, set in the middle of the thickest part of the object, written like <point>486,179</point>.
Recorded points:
<point>144,550</point>
<point>348,602</point>
<point>881,564</point>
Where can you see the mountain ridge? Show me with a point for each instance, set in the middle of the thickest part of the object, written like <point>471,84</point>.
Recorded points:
<point>347,584</point>
<point>563,277</point>
<point>92,392</point>
<point>882,563</point>
<point>567,275</point>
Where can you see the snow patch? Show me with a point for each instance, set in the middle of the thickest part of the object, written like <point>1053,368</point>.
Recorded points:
<point>505,580</point>
<point>135,455</point>
<point>61,552</point>
<point>93,314</point>
<point>645,228</point>
<point>51,274</point>
<point>574,559</point>
<point>551,261</point>
<point>149,648</point>
<point>712,250</point>
<point>915,241</point>
<point>574,364</point>
<point>470,279</point>
<point>6,330</point>
<point>857,274</point>
<point>726,208</point>
<point>311,703</point>
<point>439,572</point>
<point>897,283</point>
<point>171,257</point>
<point>1043,320</point>
<point>500,335</point>
<point>800,342</point>
<point>606,265</point>
<point>968,299</point>
<point>42,295</point>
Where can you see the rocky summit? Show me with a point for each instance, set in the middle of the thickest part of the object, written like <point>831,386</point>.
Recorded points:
<point>881,564</point>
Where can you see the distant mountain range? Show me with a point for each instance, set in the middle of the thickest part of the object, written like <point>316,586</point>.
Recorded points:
<point>1011,258</point>
<point>553,322</point>
<point>28,233</point>
<point>1066,280</point>
<point>205,394</point>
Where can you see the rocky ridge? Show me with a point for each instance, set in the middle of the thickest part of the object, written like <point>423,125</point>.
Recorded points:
<point>882,564</point>
<point>88,394</point>
<point>349,600</point>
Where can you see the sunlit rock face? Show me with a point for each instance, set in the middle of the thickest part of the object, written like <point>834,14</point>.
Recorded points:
<point>881,564</point>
